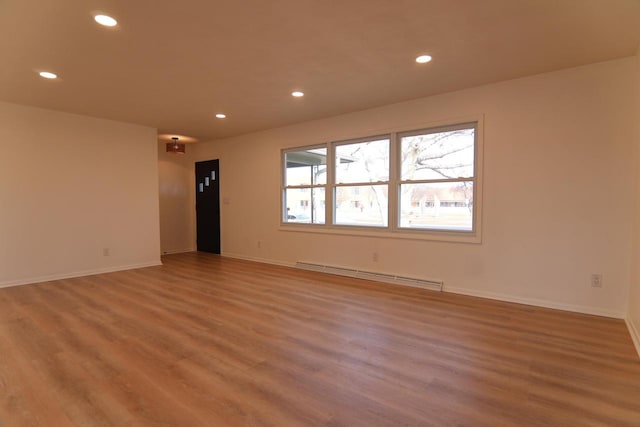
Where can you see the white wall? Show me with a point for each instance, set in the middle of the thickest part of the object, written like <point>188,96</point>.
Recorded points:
<point>177,200</point>
<point>71,186</point>
<point>557,191</point>
<point>633,318</point>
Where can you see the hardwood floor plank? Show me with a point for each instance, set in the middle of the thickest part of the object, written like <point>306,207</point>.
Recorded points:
<point>22,401</point>
<point>206,340</point>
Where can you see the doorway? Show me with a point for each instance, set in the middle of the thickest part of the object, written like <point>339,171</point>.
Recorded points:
<point>208,206</point>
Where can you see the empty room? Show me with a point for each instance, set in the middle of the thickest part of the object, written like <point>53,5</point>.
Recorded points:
<point>315,213</point>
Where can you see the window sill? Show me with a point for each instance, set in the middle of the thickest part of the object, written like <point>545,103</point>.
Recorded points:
<point>438,236</point>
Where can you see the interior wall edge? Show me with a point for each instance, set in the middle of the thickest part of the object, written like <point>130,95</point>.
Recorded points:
<point>52,277</point>
<point>635,335</point>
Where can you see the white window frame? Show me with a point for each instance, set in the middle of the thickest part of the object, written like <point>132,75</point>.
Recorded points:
<point>311,187</point>
<point>400,181</point>
<point>393,229</point>
<point>333,185</point>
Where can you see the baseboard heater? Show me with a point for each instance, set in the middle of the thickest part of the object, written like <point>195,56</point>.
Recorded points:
<point>433,285</point>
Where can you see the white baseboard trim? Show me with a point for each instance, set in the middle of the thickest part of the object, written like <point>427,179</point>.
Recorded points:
<point>635,336</point>
<point>177,251</point>
<point>81,273</point>
<point>536,302</point>
<point>255,259</point>
<point>463,291</point>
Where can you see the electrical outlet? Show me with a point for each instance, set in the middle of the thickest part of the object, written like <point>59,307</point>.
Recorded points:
<point>375,257</point>
<point>106,252</point>
<point>596,280</point>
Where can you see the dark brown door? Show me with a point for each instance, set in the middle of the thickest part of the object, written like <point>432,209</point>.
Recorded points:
<point>208,206</point>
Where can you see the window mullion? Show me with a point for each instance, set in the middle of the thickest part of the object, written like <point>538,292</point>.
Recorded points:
<point>293,187</point>
<point>361,184</point>
<point>329,191</point>
<point>394,176</point>
<point>435,181</point>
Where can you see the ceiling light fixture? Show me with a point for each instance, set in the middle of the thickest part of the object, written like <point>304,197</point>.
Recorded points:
<point>221,115</point>
<point>48,75</point>
<point>423,59</point>
<point>105,20</point>
<point>297,94</point>
<point>175,146</point>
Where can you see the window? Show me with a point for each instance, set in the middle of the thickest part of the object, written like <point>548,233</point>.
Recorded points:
<point>305,180</point>
<point>361,188</point>
<point>415,184</point>
<point>437,178</point>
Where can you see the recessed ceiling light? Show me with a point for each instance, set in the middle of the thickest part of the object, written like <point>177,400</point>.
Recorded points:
<point>423,59</point>
<point>297,94</point>
<point>105,20</point>
<point>221,115</point>
<point>47,75</point>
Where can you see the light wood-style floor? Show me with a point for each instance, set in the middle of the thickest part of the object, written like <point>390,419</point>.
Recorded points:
<point>210,341</point>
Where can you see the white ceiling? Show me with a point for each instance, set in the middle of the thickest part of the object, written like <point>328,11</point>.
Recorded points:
<point>174,64</point>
